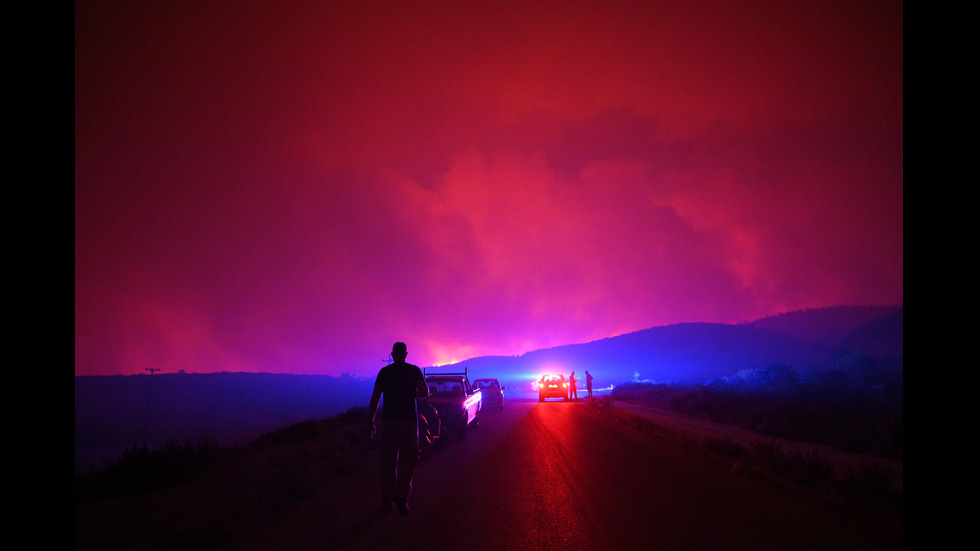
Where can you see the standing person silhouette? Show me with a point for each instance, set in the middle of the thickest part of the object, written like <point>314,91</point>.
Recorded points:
<point>588,383</point>
<point>572,392</point>
<point>400,383</point>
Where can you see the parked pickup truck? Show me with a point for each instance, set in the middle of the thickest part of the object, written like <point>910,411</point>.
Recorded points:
<point>457,402</point>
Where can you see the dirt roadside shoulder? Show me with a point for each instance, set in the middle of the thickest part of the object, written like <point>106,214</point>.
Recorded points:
<point>706,429</point>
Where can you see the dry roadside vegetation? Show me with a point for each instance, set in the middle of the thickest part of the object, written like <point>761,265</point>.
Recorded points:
<point>198,493</point>
<point>184,496</point>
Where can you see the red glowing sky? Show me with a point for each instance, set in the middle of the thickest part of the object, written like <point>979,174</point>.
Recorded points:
<point>292,186</point>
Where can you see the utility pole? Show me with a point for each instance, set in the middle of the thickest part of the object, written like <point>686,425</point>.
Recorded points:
<point>146,410</point>
<point>388,360</point>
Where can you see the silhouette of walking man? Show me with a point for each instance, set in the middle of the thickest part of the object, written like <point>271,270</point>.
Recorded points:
<point>400,383</point>
<point>588,383</point>
<point>572,392</point>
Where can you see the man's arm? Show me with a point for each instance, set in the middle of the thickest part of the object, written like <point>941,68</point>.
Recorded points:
<point>421,389</point>
<point>373,406</point>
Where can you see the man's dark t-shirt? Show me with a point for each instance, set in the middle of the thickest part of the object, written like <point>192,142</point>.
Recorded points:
<point>399,384</point>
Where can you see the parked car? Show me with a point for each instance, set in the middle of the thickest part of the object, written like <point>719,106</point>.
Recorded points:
<point>457,403</point>
<point>552,386</point>
<point>493,393</point>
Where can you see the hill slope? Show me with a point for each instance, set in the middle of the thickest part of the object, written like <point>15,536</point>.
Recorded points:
<point>693,353</point>
<point>869,329</point>
<point>115,413</point>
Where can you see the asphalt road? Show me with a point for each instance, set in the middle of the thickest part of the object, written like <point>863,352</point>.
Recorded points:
<point>558,475</point>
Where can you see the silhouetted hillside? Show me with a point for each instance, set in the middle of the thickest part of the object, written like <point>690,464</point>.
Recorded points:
<point>692,353</point>
<point>683,353</point>
<point>882,337</point>
<point>114,413</point>
<point>835,324</point>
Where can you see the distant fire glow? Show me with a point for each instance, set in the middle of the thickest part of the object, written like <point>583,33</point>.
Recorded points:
<point>445,354</point>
